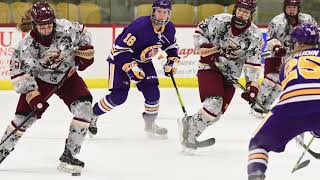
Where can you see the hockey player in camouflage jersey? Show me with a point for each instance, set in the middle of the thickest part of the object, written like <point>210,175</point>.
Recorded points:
<point>279,44</point>
<point>40,61</point>
<point>228,44</point>
<point>131,61</point>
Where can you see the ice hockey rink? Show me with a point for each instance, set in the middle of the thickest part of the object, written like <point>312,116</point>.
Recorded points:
<point>121,151</point>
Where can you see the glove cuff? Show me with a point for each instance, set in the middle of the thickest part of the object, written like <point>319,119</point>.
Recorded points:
<point>31,95</point>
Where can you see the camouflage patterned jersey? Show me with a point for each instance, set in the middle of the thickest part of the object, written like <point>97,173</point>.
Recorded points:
<point>34,59</point>
<point>279,28</point>
<point>238,52</point>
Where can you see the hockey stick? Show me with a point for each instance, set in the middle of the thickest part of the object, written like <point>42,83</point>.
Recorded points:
<point>305,163</point>
<point>179,96</point>
<point>69,73</point>
<point>204,143</point>
<point>313,153</point>
<point>236,82</point>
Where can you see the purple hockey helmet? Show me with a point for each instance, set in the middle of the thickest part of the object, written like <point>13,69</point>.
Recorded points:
<point>305,34</point>
<point>164,4</point>
<point>42,13</point>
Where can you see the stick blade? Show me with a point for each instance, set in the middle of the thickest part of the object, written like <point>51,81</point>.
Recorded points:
<point>301,165</point>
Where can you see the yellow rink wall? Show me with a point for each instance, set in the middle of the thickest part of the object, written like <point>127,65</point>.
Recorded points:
<point>93,83</point>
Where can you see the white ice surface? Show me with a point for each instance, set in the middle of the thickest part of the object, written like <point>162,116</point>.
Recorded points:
<point>121,151</point>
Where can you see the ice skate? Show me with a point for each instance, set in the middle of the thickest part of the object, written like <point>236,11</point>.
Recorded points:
<point>188,142</point>
<point>93,130</point>
<point>70,164</point>
<point>154,131</point>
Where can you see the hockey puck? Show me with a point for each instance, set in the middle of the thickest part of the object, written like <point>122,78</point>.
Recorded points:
<point>76,174</point>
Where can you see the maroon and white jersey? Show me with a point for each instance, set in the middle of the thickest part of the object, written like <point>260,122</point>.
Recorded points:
<point>48,62</point>
<point>280,29</point>
<point>238,52</point>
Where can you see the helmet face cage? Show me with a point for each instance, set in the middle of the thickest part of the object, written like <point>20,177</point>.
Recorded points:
<point>291,3</point>
<point>305,34</point>
<point>164,4</point>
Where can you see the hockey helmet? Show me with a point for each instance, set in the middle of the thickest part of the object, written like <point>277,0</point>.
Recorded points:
<point>164,4</point>
<point>245,4</point>
<point>305,34</point>
<point>42,13</point>
<point>291,3</point>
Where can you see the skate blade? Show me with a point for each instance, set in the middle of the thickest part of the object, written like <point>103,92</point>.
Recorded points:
<point>154,136</point>
<point>67,168</point>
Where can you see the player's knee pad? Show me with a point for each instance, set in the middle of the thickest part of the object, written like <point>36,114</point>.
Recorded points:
<point>82,110</point>
<point>19,119</point>
<point>212,109</point>
<point>213,104</point>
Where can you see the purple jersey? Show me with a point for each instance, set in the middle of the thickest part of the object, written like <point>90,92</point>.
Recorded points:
<point>300,81</point>
<point>140,41</point>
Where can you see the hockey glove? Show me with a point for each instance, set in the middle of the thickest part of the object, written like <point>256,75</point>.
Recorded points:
<point>171,66</point>
<point>279,51</point>
<point>84,57</point>
<point>272,65</point>
<point>251,94</point>
<point>36,103</point>
<point>208,54</point>
<point>134,72</point>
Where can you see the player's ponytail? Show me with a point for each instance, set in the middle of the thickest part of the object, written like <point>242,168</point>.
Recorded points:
<point>26,22</point>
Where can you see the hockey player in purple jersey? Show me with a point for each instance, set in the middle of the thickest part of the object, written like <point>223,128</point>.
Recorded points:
<point>298,108</point>
<point>39,63</point>
<point>279,44</point>
<point>130,60</point>
<point>228,45</point>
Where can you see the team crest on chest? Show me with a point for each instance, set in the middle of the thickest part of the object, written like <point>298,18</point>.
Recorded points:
<point>52,58</point>
<point>232,49</point>
<point>148,53</point>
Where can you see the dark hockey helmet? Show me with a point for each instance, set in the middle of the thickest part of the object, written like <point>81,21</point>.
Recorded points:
<point>42,13</point>
<point>306,34</point>
<point>291,3</point>
<point>165,4</point>
<point>246,4</point>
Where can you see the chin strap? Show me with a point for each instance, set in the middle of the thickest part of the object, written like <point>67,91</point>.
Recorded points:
<point>235,26</point>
